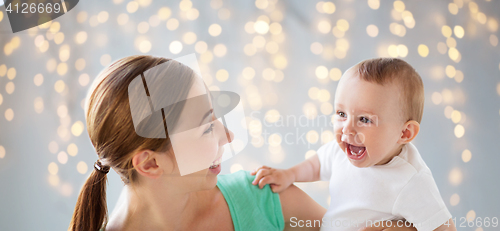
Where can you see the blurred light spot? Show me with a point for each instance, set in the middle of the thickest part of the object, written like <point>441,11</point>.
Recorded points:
<point>2,152</point>
<point>326,108</point>
<point>248,73</point>
<point>316,48</point>
<point>81,37</point>
<point>272,47</point>
<point>399,6</point>
<point>402,50</point>
<point>206,57</point>
<point>459,131</point>
<point>343,25</point>
<point>441,47</point>
<point>454,199</point>
<point>142,27</point>
<point>459,76</point>
<point>280,62</point>
<point>451,42</point>
<point>53,147</point>
<point>58,39</point>
<point>172,24</point>
<point>236,168</point>
<point>64,53</point>
<point>323,95</point>
<point>423,50</point>
<point>321,72</point>
<point>492,24</point>
<point>215,30</point>
<point>77,128</point>
<point>272,116</point>
<point>103,16</point>
<point>10,87</point>
<point>393,51</point>
<point>224,14</point>
<point>9,114</point>
<point>38,105</point>
<point>493,40</point>
<point>53,180</point>
<point>310,110</point>
<point>81,17</point>
<point>455,176</point>
<point>200,47</point>
<point>274,140</point>
<point>83,79</point>
<point>268,74</point>
<point>220,50</point>
<point>329,7</point>
<point>11,73</point>
<point>456,116</point>
<point>66,189</point>
<point>324,27</point>
<point>313,92</point>
<point>38,80</point>
<point>122,19</point>
<point>276,16</point>
<point>164,13</point>
<point>105,59</point>
<point>189,38</point>
<point>145,46</point>
<point>62,69</point>
<point>222,75</point>
<point>3,70</point>
<point>397,29</point>
<point>471,216</point>
<point>453,53</point>
<point>249,27</point>
<point>62,157</point>
<point>261,27</point>
<point>80,64</point>
<point>259,41</point>
<point>450,71</point>
<point>372,30</point>
<point>62,111</point>
<point>436,98</point>
<point>459,31</point>
<point>466,155</point>
<point>132,6</point>
<point>310,154</point>
<point>312,136</point>
<point>53,168</point>
<point>81,167</point>
<point>275,28</point>
<point>481,18</point>
<point>446,31</point>
<point>447,111</point>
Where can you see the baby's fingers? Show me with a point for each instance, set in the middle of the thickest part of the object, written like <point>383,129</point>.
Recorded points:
<point>266,180</point>
<point>259,168</point>
<point>260,173</point>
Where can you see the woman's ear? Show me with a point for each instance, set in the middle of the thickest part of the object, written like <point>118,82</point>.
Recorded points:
<point>410,131</point>
<point>146,164</point>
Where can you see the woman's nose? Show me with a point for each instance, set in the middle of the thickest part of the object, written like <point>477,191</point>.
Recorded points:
<point>227,136</point>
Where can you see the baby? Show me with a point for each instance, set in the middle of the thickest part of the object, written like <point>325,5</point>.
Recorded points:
<point>375,173</point>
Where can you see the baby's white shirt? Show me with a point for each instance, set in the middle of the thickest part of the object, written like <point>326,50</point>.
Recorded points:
<point>402,188</point>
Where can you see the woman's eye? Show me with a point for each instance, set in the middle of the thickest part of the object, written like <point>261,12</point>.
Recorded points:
<point>365,120</point>
<point>210,129</point>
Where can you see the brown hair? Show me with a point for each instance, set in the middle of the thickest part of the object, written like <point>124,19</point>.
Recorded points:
<point>111,131</point>
<point>391,70</point>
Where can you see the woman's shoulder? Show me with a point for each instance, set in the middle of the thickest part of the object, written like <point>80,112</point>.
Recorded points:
<point>248,203</point>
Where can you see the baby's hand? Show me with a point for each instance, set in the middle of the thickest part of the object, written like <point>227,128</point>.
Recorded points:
<point>278,179</point>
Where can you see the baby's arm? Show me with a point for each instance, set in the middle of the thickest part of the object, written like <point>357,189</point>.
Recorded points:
<point>280,179</point>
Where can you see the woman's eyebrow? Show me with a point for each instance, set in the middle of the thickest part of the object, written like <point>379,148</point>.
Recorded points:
<point>206,114</point>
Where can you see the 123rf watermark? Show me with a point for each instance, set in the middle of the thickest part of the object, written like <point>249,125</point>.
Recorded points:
<point>463,222</point>
<point>25,14</point>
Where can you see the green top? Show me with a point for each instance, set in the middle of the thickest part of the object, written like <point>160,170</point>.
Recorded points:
<point>251,208</point>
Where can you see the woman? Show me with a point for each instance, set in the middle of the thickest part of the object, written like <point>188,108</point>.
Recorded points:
<point>156,196</point>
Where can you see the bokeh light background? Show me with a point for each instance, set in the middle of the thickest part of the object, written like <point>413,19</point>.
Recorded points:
<point>283,57</point>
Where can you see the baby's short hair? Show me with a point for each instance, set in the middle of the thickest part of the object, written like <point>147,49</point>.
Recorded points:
<point>392,70</point>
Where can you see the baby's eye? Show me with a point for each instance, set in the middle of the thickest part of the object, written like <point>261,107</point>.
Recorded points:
<point>365,120</point>
<point>341,114</point>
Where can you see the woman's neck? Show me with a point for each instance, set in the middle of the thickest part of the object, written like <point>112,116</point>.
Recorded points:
<point>161,209</point>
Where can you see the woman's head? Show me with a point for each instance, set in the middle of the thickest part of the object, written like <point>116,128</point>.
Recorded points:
<point>111,130</point>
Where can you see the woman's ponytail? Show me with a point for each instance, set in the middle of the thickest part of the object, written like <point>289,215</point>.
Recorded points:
<point>91,210</point>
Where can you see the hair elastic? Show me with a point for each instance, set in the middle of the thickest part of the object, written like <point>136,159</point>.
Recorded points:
<point>99,167</point>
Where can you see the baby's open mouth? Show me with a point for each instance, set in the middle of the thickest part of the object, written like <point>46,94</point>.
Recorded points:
<point>355,152</point>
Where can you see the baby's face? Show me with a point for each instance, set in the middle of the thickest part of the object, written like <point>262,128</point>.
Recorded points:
<point>368,121</point>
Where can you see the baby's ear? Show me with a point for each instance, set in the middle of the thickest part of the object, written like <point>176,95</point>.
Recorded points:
<point>410,131</point>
